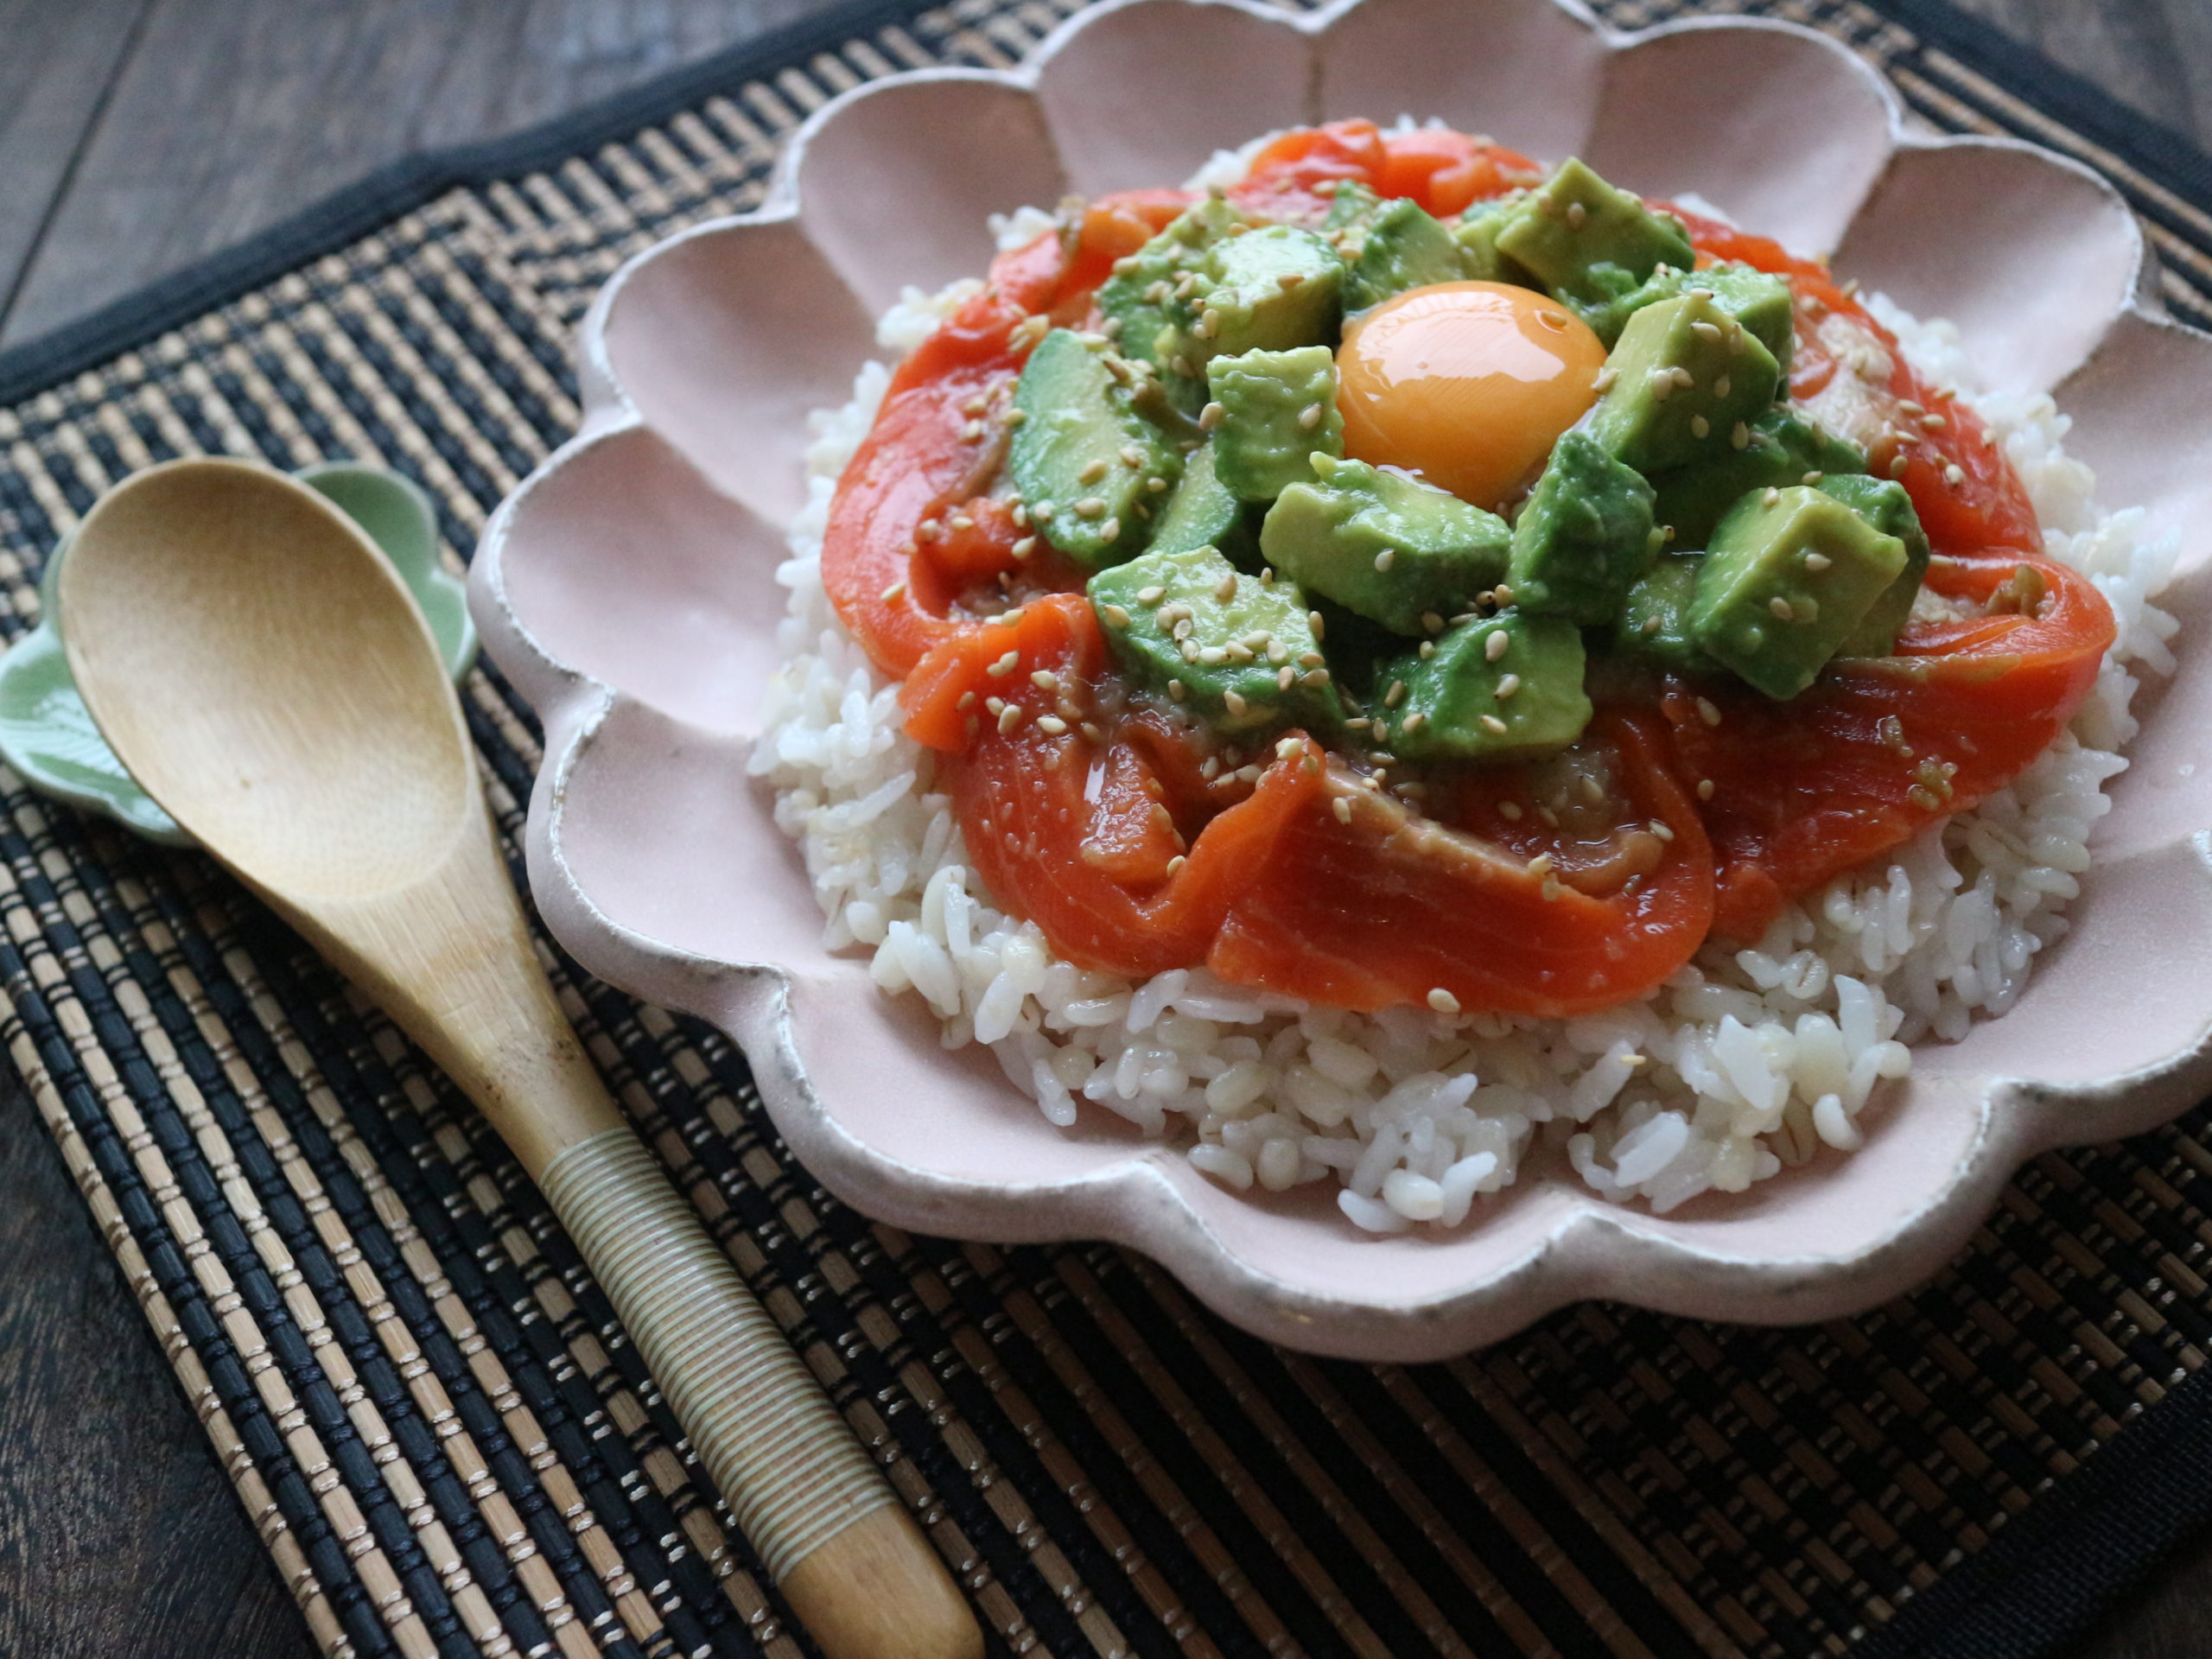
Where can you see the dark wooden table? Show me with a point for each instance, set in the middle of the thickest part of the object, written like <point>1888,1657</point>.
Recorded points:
<point>138,135</point>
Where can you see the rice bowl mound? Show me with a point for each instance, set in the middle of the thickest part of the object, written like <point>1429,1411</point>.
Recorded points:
<point>1741,1063</point>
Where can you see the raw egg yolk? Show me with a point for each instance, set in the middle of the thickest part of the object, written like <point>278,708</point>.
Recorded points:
<point>1467,384</point>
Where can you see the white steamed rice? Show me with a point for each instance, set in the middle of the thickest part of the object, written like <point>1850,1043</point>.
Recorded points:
<point>1741,1063</point>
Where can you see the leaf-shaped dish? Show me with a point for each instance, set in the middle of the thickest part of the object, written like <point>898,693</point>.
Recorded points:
<point>627,588</point>
<point>46,734</point>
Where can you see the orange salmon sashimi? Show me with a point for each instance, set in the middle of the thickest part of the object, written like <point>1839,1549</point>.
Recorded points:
<point>1294,177</point>
<point>1881,747</point>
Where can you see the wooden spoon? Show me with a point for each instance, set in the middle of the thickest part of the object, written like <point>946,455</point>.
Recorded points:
<point>264,676</point>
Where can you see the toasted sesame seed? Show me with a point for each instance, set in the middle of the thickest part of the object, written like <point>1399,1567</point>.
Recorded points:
<point>1234,701</point>
<point>1708,711</point>
<point>1954,475</point>
<point>1114,616</point>
<point>1661,384</point>
<point>1210,416</point>
<point>1091,506</point>
<point>1093,734</point>
<point>1181,365</point>
<point>1110,530</point>
<point>1309,417</point>
<point>1576,212</point>
<point>1907,406</point>
<point>960,521</point>
<point>1650,625</point>
<point>1045,680</point>
<point>1606,375</point>
<point>1225,590</point>
<point>1025,547</point>
<point>1502,594</point>
<point>894,593</point>
<point>972,432</point>
<point>1238,652</point>
<point>1342,807</point>
<point>1396,695</point>
<point>1005,665</point>
<point>1496,645</point>
<point>1316,677</point>
<point>967,701</point>
<point>1494,725</point>
<point>1439,999</point>
<point>1090,474</point>
<point>1010,716</point>
<point>1899,462</point>
<point>1042,511</point>
<point>1722,386</point>
<point>1510,810</point>
<point>1933,423</point>
<point>1811,479</point>
<point>1151,596</point>
<point>1386,558</point>
<point>1178,690</point>
<point>1704,789</point>
<point>1052,724</point>
<point>1540,864</point>
<point>1772,497</point>
<point>1212,656</point>
<point>1782,608</point>
<point>1740,436</point>
<point>1175,864</point>
<point>1706,330</point>
<point>1817,563</point>
<point>928,530</point>
<point>1507,685</point>
<point>1700,427</point>
<point>1427,649</point>
<point>1315,620</point>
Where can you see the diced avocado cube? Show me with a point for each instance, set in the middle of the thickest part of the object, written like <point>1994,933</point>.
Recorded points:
<point>1191,627</point>
<point>1883,503</point>
<point>1143,300</point>
<point>1790,575</point>
<point>1388,546</point>
<point>1397,247</point>
<point>1583,535</point>
<point>1654,626</point>
<point>1477,235</point>
<point>1782,449</point>
<point>1473,699</point>
<point>1202,512</point>
<point>1082,456</point>
<point>1570,229</point>
<point>1278,411</point>
<point>1272,290</point>
<point>1686,381</point>
<point>1759,300</point>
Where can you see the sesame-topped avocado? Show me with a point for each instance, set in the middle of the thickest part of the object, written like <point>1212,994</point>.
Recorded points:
<point>1238,650</point>
<point>1653,628</point>
<point>1203,513</point>
<point>1883,503</point>
<point>1082,457</point>
<point>1687,380</point>
<point>1278,411</point>
<point>1585,240</point>
<point>1583,535</point>
<point>1272,290</point>
<point>1395,549</point>
<point>1502,688</point>
<point>1395,247</point>
<point>1760,301</point>
<point>1782,448</point>
<point>1790,575</point>
<point>1476,232</point>
<point>1151,299</point>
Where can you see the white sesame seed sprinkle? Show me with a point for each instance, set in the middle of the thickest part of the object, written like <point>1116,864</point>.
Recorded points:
<point>1439,999</point>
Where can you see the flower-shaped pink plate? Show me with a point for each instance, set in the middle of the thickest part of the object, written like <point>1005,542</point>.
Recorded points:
<point>626,587</point>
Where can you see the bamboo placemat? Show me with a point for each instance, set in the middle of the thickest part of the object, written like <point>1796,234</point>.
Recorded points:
<point>444,1440</point>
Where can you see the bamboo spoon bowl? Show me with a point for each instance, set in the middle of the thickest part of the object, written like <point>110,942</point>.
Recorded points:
<point>266,677</point>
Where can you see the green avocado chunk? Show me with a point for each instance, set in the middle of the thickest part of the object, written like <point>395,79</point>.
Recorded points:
<point>1476,234</point>
<point>1278,411</point>
<point>1069,456</point>
<point>1475,700</point>
<point>1152,300</point>
<point>1654,624</point>
<point>1784,447</point>
<point>1585,240</point>
<point>1883,503</point>
<point>1789,574</point>
<point>1202,512</point>
<point>1583,535</point>
<point>1686,381</point>
<point>1388,546</point>
<point>1273,289</point>
<point>1191,626</point>
<point>1397,247</point>
<point>1761,302</point>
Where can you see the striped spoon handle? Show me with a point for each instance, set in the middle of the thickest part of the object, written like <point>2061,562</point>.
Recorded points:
<point>846,1553</point>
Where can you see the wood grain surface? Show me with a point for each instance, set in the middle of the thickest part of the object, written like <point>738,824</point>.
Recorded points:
<point>138,135</point>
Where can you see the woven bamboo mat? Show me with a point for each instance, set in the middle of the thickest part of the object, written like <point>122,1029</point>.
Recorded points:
<point>449,1448</point>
